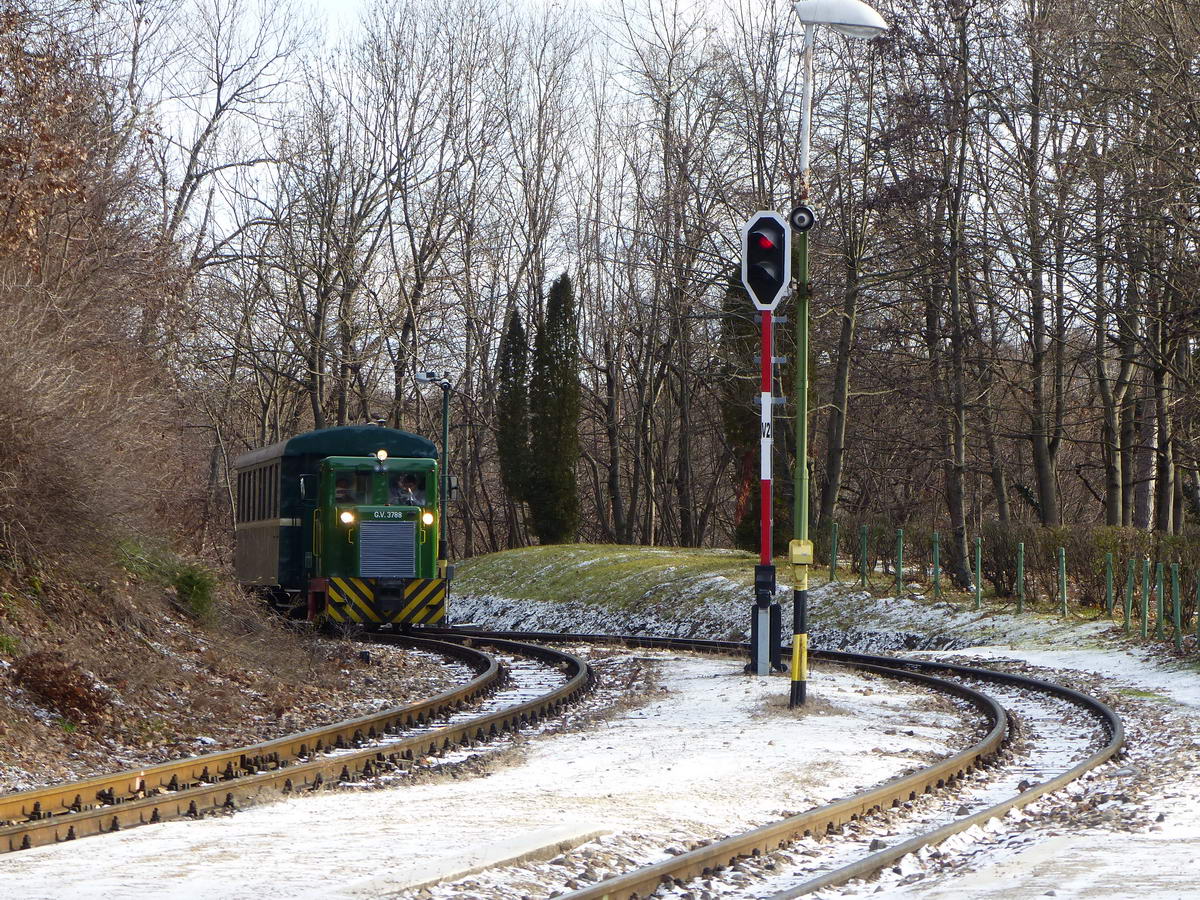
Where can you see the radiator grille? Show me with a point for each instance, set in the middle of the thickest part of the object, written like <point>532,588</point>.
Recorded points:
<point>387,550</point>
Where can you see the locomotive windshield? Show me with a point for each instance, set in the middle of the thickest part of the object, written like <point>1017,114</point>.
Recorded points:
<point>405,489</point>
<point>352,487</point>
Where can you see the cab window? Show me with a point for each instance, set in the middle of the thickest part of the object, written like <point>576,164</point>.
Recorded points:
<point>351,487</point>
<point>406,489</point>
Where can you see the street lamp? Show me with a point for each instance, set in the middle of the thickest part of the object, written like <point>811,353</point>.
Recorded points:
<point>442,380</point>
<point>852,18</point>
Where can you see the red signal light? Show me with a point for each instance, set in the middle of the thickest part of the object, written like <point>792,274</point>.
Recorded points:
<point>765,242</point>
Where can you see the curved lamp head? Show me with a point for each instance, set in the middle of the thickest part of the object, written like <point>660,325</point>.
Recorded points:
<point>852,18</point>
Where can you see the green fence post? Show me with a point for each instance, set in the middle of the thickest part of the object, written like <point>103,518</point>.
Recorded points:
<point>978,573</point>
<point>1108,584</point>
<point>937,566</point>
<point>1062,578</point>
<point>1178,613</point>
<point>1159,601</point>
<point>833,550</point>
<point>1021,577</point>
<point>899,561</point>
<point>862,553</point>
<point>1130,581</point>
<point>1145,595</point>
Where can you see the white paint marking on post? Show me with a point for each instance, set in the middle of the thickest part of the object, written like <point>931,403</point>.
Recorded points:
<point>765,438</point>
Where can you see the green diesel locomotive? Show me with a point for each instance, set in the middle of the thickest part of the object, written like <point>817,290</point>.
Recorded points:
<point>342,524</point>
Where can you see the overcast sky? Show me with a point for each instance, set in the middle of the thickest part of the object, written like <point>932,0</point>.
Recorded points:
<point>338,14</point>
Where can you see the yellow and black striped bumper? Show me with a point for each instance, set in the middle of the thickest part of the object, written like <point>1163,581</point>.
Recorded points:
<point>353,600</point>
<point>424,601</point>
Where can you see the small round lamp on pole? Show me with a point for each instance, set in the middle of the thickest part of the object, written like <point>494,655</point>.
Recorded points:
<point>852,18</point>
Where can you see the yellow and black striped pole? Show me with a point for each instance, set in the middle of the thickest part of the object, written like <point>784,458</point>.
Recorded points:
<point>800,555</point>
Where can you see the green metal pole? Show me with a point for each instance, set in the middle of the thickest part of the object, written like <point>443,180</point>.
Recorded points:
<point>1159,601</point>
<point>443,552</point>
<point>799,672</point>
<point>1021,577</point>
<point>833,551</point>
<point>862,553</point>
<point>978,573</point>
<point>899,561</point>
<point>1145,610</point>
<point>1130,581</point>
<point>1178,613</point>
<point>1108,584</point>
<point>1062,578</point>
<point>937,566</point>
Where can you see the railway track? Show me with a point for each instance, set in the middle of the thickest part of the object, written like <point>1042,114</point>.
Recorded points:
<point>1072,749</point>
<point>508,692</point>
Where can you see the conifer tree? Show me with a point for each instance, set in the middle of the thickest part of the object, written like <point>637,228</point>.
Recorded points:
<point>512,408</point>
<point>554,405</point>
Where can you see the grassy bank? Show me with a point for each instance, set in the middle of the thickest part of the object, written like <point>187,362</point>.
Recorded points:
<point>616,576</point>
<point>709,593</point>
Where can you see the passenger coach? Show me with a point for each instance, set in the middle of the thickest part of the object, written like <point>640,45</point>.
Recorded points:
<point>342,523</point>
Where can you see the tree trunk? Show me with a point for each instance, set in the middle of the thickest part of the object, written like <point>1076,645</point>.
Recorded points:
<point>1164,462</point>
<point>835,426</point>
<point>1144,469</point>
<point>612,428</point>
<point>1043,458</point>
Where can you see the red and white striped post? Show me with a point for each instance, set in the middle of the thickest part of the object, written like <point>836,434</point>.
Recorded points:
<point>765,440</point>
<point>766,274</point>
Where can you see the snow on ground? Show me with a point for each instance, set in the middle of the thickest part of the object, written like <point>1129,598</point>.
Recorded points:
<point>1140,838</point>
<point>716,752</point>
<point>1137,832</point>
<point>1140,833</point>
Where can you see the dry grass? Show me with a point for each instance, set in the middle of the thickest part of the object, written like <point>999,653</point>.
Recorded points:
<point>814,705</point>
<point>63,685</point>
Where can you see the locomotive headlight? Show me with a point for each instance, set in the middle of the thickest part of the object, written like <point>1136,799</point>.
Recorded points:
<point>381,455</point>
<point>427,518</point>
<point>347,517</point>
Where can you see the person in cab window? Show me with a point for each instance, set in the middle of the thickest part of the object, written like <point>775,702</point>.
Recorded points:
<point>407,491</point>
<point>343,493</point>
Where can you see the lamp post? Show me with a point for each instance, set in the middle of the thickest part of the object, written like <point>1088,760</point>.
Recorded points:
<point>852,18</point>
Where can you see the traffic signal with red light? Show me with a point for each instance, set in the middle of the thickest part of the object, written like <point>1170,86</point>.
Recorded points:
<point>766,259</point>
